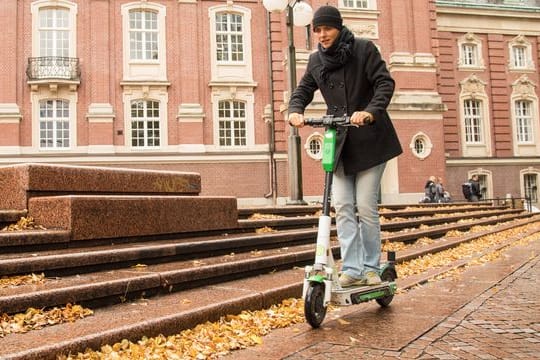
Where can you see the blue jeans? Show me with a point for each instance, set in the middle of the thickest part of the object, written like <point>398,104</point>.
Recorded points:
<point>359,237</point>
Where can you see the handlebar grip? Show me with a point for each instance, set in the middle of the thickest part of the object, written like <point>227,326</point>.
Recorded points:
<point>328,120</point>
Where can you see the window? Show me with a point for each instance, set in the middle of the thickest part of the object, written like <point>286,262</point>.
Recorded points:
<point>524,125</point>
<point>143,35</point>
<point>421,145</point>
<point>229,37</point>
<point>469,55</point>
<point>519,57</point>
<point>520,54</point>
<point>232,123</point>
<point>54,124</point>
<point>473,121</point>
<point>530,182</point>
<point>314,145</point>
<point>54,32</point>
<point>356,4</point>
<point>470,52</point>
<point>145,129</point>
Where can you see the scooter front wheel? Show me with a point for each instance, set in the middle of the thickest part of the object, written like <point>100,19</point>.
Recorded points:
<point>314,309</point>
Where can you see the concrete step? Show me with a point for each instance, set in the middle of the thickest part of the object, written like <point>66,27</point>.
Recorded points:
<point>78,260</point>
<point>18,183</point>
<point>112,286</point>
<point>112,216</point>
<point>171,313</point>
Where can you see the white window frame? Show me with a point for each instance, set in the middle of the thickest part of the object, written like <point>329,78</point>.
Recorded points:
<point>229,34</point>
<point>153,93</point>
<point>428,145</point>
<point>149,36</point>
<point>231,72</point>
<point>485,179</point>
<point>232,120</point>
<point>317,138</point>
<point>472,41</point>
<point>520,42</point>
<point>473,88</point>
<point>523,186</point>
<point>353,4</point>
<point>60,93</point>
<point>523,115</point>
<point>71,7</point>
<point>57,123</point>
<point>523,89</point>
<point>146,120</point>
<point>473,119</point>
<point>144,69</point>
<point>240,94</point>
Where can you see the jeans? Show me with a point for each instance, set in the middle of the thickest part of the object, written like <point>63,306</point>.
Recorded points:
<point>359,237</point>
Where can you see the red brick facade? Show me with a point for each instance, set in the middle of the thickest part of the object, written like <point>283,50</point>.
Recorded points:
<point>423,41</point>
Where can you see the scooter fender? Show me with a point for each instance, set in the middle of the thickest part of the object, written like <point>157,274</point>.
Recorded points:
<point>322,280</point>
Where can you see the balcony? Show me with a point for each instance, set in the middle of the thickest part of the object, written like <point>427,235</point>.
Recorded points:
<point>53,68</point>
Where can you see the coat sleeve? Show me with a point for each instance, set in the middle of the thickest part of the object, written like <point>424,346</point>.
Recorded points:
<point>378,75</point>
<point>303,94</point>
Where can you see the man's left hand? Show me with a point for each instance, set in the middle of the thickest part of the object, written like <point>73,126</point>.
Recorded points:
<point>362,118</point>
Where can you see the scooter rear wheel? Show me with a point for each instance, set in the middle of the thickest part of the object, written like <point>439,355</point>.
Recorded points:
<point>314,309</point>
<point>387,275</point>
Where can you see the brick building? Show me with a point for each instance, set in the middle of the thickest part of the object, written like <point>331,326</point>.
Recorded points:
<point>199,85</point>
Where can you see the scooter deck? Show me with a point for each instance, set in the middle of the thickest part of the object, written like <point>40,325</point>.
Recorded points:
<point>360,294</point>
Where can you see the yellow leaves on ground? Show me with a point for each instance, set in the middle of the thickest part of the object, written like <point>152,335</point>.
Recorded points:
<point>31,279</point>
<point>24,223</point>
<point>463,251</point>
<point>258,216</point>
<point>264,230</point>
<point>206,341</point>
<point>34,319</point>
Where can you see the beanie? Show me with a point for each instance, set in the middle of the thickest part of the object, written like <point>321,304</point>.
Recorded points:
<point>329,16</point>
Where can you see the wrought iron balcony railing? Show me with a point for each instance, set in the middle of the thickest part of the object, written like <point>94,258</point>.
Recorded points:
<point>53,67</point>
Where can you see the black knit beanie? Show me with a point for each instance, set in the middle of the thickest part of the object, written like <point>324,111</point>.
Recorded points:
<point>329,16</point>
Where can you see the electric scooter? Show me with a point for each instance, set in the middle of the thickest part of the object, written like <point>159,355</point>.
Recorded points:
<point>321,286</point>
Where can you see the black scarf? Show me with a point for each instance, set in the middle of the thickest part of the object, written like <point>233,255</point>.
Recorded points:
<point>338,54</point>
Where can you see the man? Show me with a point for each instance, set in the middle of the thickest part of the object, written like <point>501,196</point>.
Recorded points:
<point>354,81</point>
<point>476,194</point>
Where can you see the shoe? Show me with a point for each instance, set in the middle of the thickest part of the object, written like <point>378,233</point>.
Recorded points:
<point>348,281</point>
<point>372,278</point>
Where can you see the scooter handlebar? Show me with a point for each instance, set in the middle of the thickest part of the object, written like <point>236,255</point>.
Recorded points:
<point>328,121</point>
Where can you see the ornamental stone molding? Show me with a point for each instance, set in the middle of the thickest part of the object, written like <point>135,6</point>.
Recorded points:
<point>473,86</point>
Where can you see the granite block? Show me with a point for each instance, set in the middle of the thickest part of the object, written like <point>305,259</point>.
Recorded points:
<point>114,216</point>
<point>20,182</point>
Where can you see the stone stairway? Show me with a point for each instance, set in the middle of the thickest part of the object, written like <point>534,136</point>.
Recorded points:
<point>150,256</point>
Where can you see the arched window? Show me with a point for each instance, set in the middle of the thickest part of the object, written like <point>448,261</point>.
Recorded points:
<point>470,52</point>
<point>232,123</point>
<point>54,124</point>
<point>145,126</point>
<point>473,121</point>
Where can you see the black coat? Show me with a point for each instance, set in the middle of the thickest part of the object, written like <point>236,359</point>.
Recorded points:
<point>363,83</point>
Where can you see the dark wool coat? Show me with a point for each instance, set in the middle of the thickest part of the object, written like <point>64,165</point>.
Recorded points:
<point>362,84</point>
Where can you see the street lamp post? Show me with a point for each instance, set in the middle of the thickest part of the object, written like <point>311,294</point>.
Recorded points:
<point>303,18</point>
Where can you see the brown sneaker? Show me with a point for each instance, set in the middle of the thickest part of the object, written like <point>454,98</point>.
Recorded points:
<point>372,278</point>
<point>348,281</point>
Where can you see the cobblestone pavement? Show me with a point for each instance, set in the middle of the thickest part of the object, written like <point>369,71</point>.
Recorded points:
<point>488,312</point>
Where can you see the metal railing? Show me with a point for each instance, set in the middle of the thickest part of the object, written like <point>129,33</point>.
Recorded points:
<point>53,67</point>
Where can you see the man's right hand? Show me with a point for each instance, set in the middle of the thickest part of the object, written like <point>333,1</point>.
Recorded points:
<point>296,120</point>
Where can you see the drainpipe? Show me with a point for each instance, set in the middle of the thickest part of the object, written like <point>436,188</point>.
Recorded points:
<point>270,121</point>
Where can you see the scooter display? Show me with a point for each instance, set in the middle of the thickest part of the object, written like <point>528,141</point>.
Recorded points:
<point>321,287</point>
